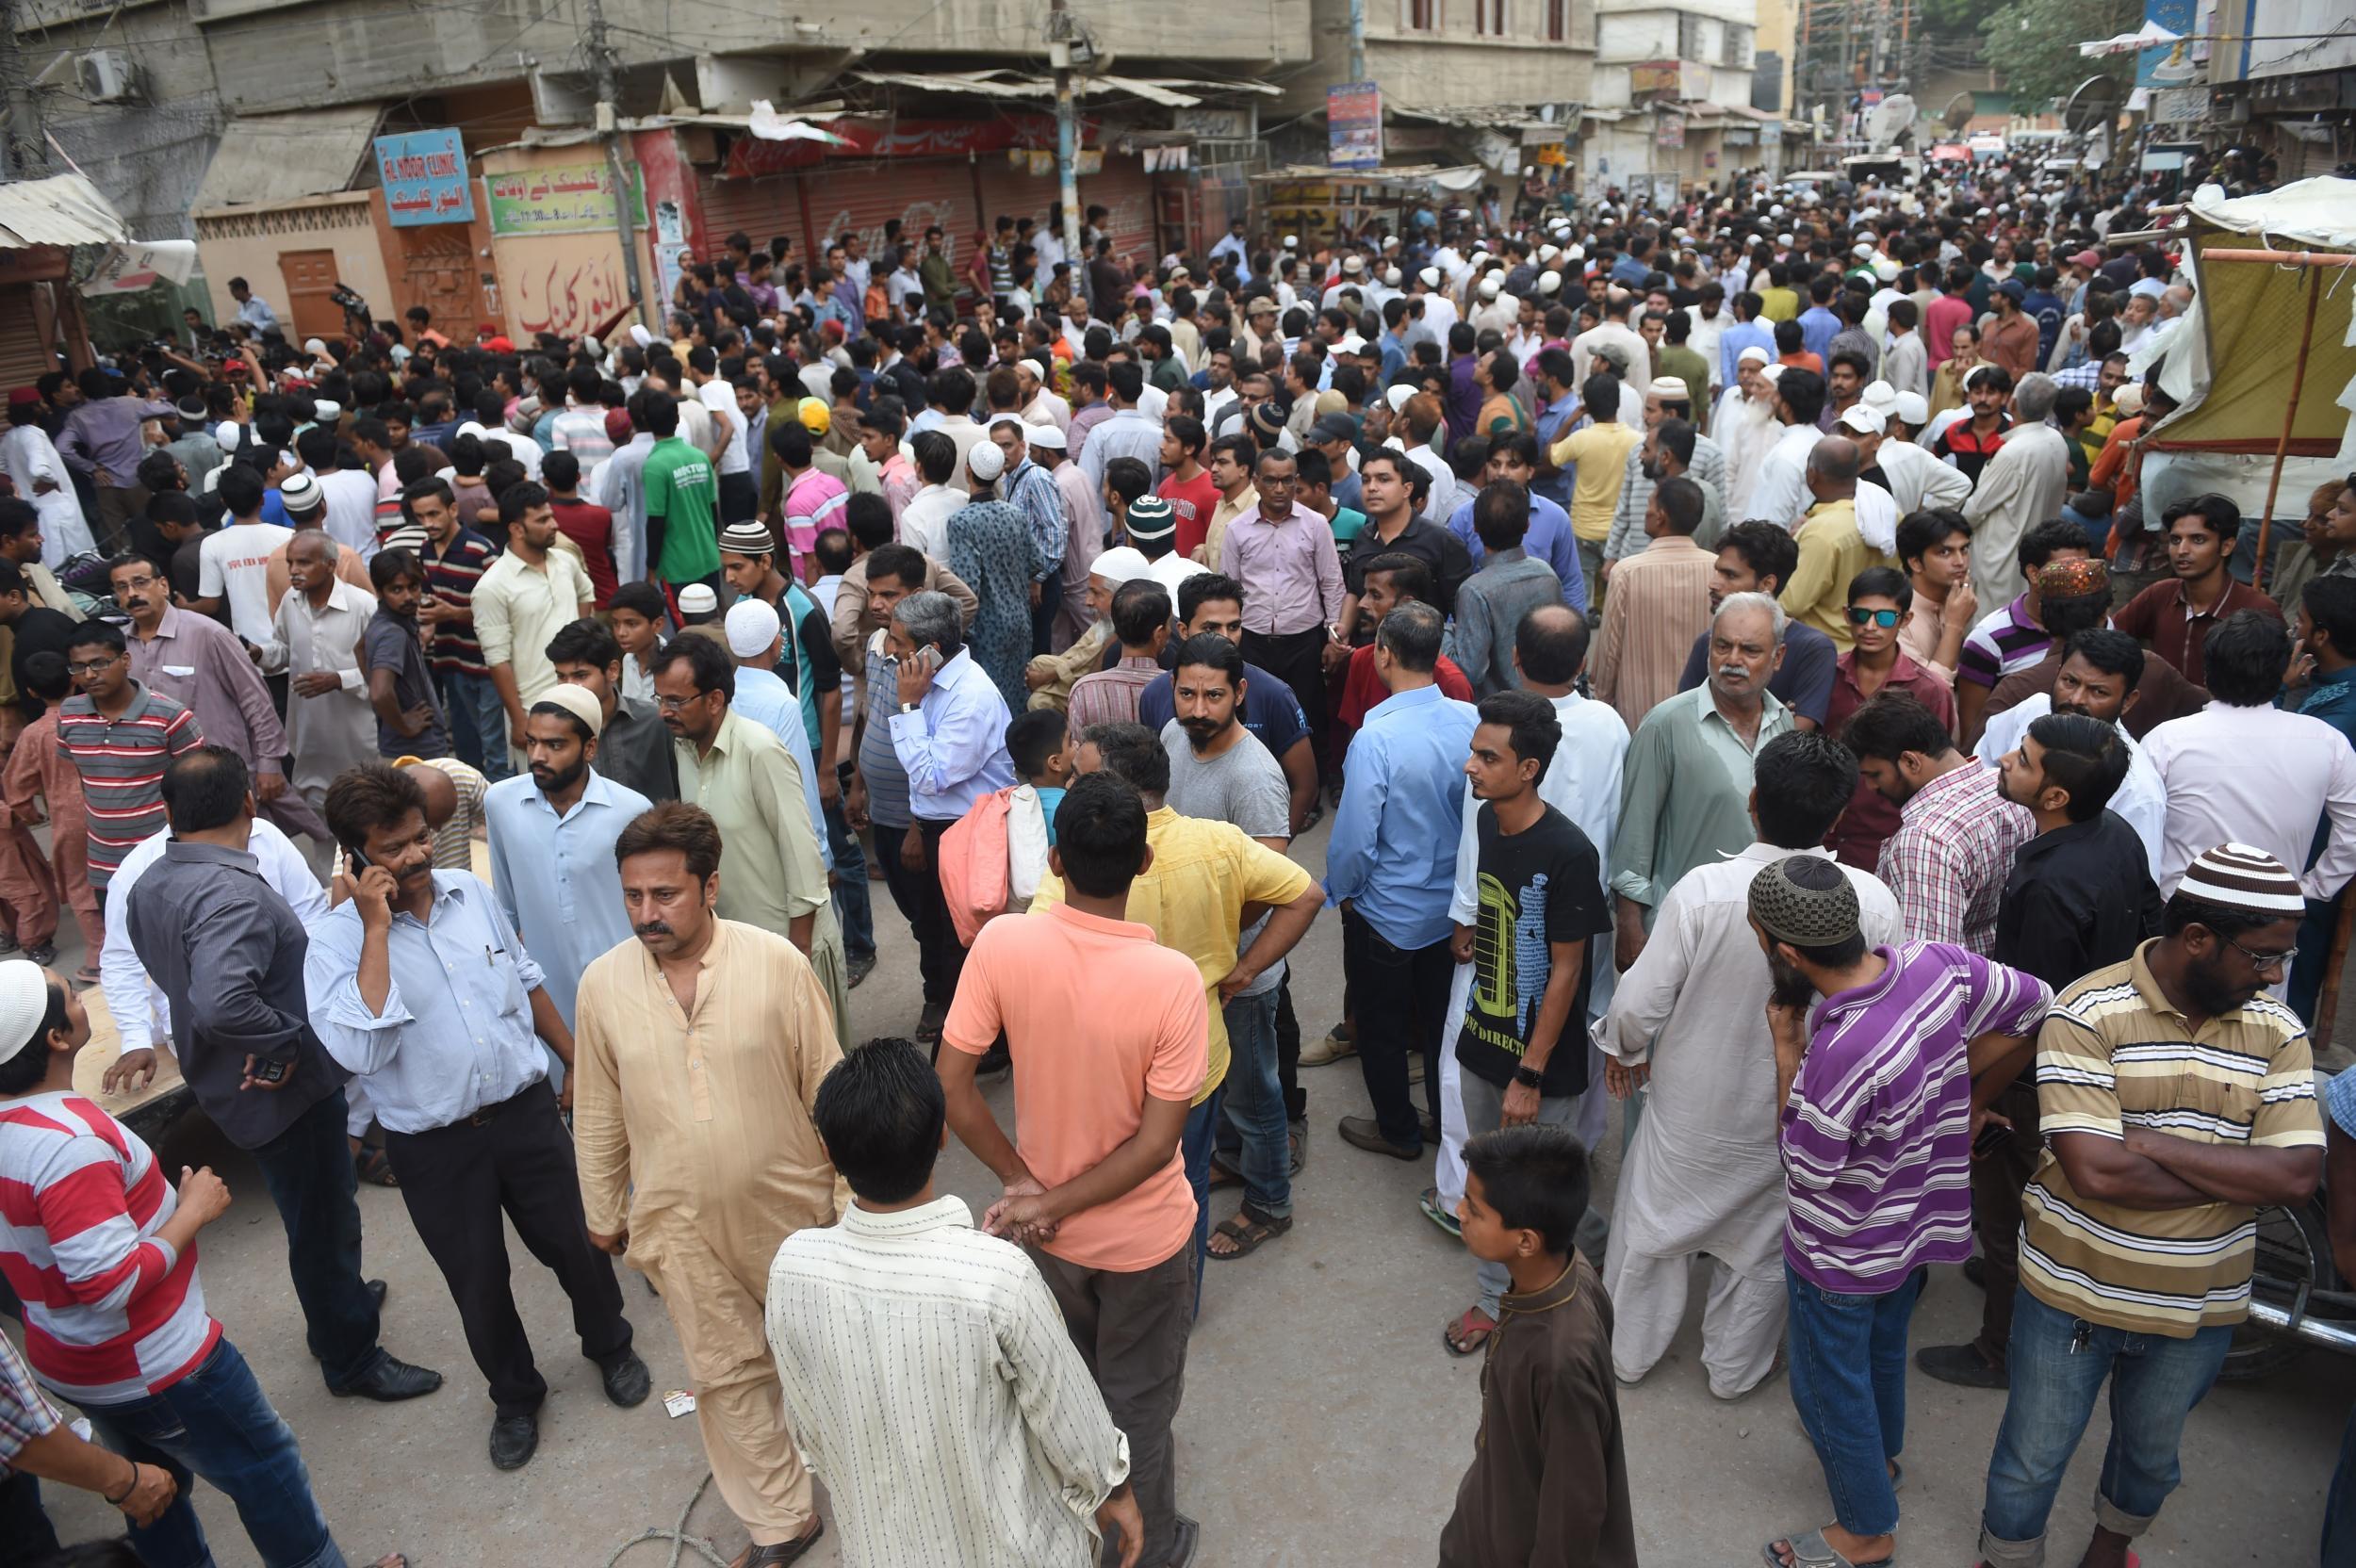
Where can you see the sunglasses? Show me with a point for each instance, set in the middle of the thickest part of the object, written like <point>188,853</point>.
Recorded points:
<point>1883,618</point>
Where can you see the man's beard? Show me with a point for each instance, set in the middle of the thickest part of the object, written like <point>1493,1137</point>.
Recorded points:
<point>1787,987</point>
<point>2206,986</point>
<point>1201,733</point>
<point>551,782</point>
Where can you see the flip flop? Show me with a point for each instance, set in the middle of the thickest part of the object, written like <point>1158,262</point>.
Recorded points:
<point>1811,1550</point>
<point>1474,1326</point>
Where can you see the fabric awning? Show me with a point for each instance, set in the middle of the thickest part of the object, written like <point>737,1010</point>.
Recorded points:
<point>63,209</point>
<point>269,158</point>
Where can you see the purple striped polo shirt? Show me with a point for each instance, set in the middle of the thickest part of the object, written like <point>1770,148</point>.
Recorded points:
<point>1876,1132</point>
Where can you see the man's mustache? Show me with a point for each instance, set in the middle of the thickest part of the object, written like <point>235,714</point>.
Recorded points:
<point>655,928</point>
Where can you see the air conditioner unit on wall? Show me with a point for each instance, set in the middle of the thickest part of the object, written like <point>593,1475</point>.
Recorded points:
<point>106,76</point>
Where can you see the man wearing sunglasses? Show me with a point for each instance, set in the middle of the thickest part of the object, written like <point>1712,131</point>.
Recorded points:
<point>1880,599</point>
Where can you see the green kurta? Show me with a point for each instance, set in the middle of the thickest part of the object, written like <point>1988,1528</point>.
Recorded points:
<point>1685,793</point>
<point>771,872</point>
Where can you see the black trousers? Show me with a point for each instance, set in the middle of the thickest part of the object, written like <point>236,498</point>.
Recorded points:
<point>308,1171</point>
<point>940,954</point>
<point>25,1535</point>
<point>1288,1051</point>
<point>1297,659</point>
<point>1401,994</point>
<point>513,1158</point>
<point>739,498</point>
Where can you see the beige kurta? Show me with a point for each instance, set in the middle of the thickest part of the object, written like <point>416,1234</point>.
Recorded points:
<point>693,1134</point>
<point>771,872</point>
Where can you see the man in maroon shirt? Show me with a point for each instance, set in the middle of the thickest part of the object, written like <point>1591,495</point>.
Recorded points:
<point>1391,580</point>
<point>584,523</point>
<point>2175,615</point>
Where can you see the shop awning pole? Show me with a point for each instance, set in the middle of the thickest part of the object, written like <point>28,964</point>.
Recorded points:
<point>2283,258</point>
<point>2290,413</point>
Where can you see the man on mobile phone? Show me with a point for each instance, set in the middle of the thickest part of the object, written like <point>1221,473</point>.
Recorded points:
<point>2079,897</point>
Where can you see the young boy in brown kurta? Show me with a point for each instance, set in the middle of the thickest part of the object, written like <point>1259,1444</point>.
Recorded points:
<point>1548,1487</point>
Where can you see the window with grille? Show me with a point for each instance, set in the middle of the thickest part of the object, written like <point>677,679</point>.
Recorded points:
<point>1419,16</point>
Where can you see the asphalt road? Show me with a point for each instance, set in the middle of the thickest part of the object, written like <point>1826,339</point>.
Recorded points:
<point>1323,1422</point>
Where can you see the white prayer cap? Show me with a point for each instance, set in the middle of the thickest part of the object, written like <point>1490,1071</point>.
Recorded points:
<point>752,626</point>
<point>1488,288</point>
<point>315,347</point>
<point>1753,355</point>
<point>1292,242</point>
<point>1576,252</point>
<point>1396,397</point>
<point>327,411</point>
<point>1045,435</point>
<point>987,461</point>
<point>1864,418</point>
<point>1430,276</point>
<point>24,1006</point>
<point>1549,282</point>
<point>698,598</point>
<point>1881,394</point>
<point>1913,410</point>
<point>1390,277</point>
<point>1120,564</point>
<point>1547,252</point>
<point>1670,389</point>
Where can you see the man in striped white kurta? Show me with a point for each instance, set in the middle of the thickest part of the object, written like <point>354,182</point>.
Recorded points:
<point>904,1319</point>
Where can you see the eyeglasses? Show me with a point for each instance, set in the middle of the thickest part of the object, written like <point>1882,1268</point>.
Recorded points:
<point>91,666</point>
<point>1883,618</point>
<point>2266,960</point>
<point>672,705</point>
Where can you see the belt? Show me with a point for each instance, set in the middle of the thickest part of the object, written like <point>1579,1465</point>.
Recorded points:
<point>484,1117</point>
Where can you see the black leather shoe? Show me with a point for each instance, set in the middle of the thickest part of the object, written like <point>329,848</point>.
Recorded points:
<point>513,1440</point>
<point>390,1381</point>
<point>627,1380</point>
<point>378,1290</point>
<point>1961,1364</point>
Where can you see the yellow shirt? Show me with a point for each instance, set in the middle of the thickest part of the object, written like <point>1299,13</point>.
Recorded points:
<point>1779,304</point>
<point>1203,874</point>
<point>1832,552</point>
<point>1601,454</point>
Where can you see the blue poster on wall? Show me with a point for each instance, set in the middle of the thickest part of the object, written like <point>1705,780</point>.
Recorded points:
<point>2172,65</point>
<point>424,174</point>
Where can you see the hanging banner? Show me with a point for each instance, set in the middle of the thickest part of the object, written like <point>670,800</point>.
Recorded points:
<point>129,268</point>
<point>424,174</point>
<point>1671,131</point>
<point>1354,123</point>
<point>570,198</point>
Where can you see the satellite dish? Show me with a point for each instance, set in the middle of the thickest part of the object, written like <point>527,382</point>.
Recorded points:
<point>1890,121</point>
<point>2094,105</point>
<point>1958,114</point>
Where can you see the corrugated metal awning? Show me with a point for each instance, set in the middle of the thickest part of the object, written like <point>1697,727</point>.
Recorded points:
<point>267,158</point>
<point>63,209</point>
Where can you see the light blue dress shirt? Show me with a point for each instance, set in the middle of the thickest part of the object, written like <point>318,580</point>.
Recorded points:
<point>954,747</point>
<point>1393,852</point>
<point>555,876</point>
<point>456,1033</point>
<point>1549,540</point>
<point>1741,335</point>
<point>763,697</point>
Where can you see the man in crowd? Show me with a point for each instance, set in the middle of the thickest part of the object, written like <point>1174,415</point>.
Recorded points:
<point>699,1052</point>
<point>743,776</point>
<point>228,953</point>
<point>1508,583</point>
<point>119,735</point>
<point>2079,898</point>
<point>2023,484</point>
<point>1684,790</point>
<point>904,1281</point>
<point>2176,614</point>
<point>1111,1029</point>
<point>1688,1027</point>
<point>634,745</point>
<point>519,602</point>
<point>1140,621</point>
<point>1283,555</point>
<point>2101,671</point>
<point>2138,1232</point>
<point>1659,603</point>
<point>1390,868</point>
<point>1758,558</point>
<point>456,1071</point>
<point>317,638</point>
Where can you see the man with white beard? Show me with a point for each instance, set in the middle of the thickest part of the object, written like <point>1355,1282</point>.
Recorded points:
<point>1744,427</point>
<point>1702,1173</point>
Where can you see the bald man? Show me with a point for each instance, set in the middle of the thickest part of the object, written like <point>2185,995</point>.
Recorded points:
<point>1832,549</point>
<point>453,808</point>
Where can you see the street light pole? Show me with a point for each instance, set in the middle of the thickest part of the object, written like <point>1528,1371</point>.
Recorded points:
<point>609,92</point>
<point>1059,32</point>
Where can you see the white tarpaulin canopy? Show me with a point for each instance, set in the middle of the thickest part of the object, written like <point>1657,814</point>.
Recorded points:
<point>63,209</point>
<point>127,268</point>
<point>2150,36</point>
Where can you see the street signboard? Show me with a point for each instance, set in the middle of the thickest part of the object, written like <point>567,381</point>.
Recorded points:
<point>424,173</point>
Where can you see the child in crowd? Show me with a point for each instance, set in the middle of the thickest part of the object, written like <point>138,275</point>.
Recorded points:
<point>38,777</point>
<point>1038,743</point>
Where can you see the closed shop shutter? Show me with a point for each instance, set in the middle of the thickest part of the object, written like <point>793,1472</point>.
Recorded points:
<point>1123,189</point>
<point>861,197</point>
<point>761,207</point>
<point>23,357</point>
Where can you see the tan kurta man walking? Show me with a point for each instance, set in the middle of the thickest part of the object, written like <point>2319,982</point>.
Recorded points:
<point>699,1049</point>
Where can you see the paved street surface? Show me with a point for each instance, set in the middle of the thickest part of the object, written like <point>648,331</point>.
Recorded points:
<point>1323,1423</point>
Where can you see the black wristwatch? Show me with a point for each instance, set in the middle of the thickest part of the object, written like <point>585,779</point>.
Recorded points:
<point>1530,1077</point>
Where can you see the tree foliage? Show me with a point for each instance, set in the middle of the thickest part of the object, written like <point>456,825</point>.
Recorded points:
<point>2032,46</point>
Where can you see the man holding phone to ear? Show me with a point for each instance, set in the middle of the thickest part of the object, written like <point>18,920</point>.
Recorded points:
<point>228,953</point>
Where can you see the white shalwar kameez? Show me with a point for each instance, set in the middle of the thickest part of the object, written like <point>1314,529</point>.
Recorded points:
<point>1701,1173</point>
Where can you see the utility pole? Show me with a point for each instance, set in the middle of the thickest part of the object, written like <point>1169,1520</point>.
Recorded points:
<point>609,93</point>
<point>1357,40</point>
<point>25,145</point>
<point>1059,34</point>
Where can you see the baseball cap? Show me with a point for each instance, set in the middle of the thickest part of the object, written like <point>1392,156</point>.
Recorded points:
<point>1333,426</point>
<point>1913,409</point>
<point>1864,418</point>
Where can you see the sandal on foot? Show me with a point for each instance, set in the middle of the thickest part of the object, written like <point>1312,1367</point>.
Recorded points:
<point>1469,1332</point>
<point>374,1166</point>
<point>1811,1550</point>
<point>1437,1212</point>
<point>1250,1229</point>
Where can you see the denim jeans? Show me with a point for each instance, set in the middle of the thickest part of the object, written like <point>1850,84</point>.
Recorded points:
<point>217,1423</point>
<point>852,908</point>
<point>1849,1384</point>
<point>2059,1365</point>
<point>26,1537</point>
<point>1254,1130</point>
<point>477,722</point>
<point>308,1171</point>
<point>1194,1146</point>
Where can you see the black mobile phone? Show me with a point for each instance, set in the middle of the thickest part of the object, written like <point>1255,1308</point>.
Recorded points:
<point>1991,1135</point>
<point>270,1073</point>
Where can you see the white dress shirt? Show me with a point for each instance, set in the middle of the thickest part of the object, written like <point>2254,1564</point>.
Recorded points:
<point>141,1015</point>
<point>913,1322</point>
<point>924,521</point>
<point>2261,776</point>
<point>2140,800</point>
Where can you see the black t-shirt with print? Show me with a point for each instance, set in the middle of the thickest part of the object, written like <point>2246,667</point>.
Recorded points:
<point>1535,888</point>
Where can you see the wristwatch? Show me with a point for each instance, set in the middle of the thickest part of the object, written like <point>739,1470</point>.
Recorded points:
<point>911,708</point>
<point>1530,1077</point>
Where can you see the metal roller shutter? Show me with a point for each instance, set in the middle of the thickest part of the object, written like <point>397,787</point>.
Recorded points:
<point>862,197</point>
<point>23,357</point>
<point>760,207</point>
<point>1123,189</point>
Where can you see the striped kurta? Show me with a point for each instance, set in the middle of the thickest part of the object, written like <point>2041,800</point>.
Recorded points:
<point>2115,1053</point>
<point>122,763</point>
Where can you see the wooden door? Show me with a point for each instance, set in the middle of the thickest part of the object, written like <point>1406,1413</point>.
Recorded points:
<point>440,272</point>
<point>310,277</point>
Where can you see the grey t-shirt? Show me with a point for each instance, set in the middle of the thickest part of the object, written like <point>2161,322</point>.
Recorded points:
<point>1243,785</point>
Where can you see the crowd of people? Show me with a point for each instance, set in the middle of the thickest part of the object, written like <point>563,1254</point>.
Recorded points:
<point>1709,628</point>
